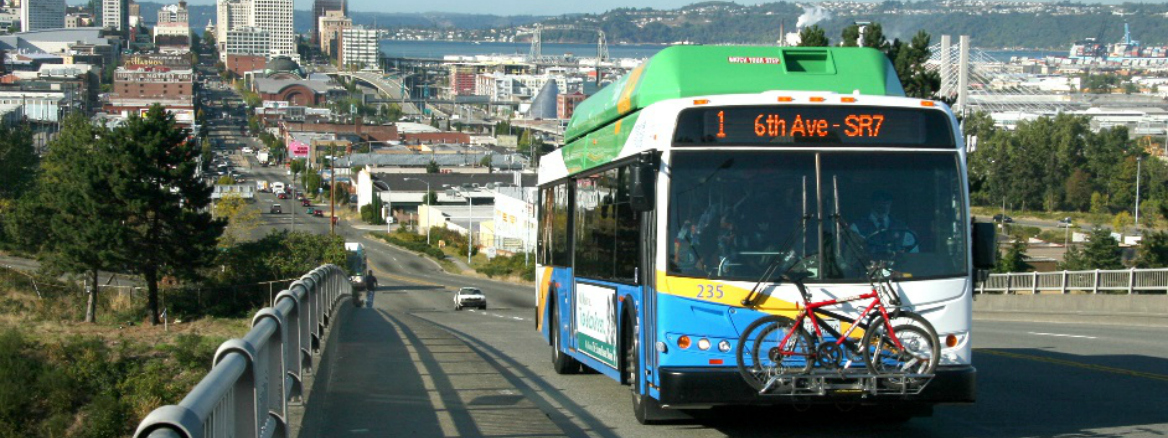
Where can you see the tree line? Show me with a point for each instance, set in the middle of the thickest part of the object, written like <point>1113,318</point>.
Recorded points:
<point>126,199</point>
<point>1060,164</point>
<point>130,199</point>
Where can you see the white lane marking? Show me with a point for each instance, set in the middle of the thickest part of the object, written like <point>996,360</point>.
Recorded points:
<point>498,315</point>
<point>358,430</point>
<point>1060,335</point>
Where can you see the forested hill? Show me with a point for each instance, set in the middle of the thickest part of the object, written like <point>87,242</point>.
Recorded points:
<point>1050,26</point>
<point>990,24</point>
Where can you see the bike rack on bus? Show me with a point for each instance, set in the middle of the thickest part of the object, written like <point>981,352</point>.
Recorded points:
<point>843,382</point>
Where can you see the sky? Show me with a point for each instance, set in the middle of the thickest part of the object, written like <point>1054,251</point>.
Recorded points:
<point>512,7</point>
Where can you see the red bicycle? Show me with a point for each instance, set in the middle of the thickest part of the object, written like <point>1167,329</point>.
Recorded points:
<point>900,349</point>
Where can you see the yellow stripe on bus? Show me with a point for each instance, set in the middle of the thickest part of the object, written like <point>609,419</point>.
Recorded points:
<point>544,281</point>
<point>625,103</point>
<point>690,288</point>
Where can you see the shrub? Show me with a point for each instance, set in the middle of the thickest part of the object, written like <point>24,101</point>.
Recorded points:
<point>503,266</point>
<point>82,387</point>
<point>411,242</point>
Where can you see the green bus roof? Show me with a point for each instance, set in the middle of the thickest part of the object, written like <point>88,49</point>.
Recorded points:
<point>686,71</point>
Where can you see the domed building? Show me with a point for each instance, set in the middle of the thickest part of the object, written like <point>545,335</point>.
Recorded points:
<point>283,67</point>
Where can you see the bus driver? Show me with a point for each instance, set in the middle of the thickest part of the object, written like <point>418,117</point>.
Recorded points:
<point>884,233</point>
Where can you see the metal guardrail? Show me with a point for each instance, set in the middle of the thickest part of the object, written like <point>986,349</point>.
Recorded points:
<point>253,379</point>
<point>1131,281</point>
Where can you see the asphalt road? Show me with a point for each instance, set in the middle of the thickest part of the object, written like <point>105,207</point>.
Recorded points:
<point>413,366</point>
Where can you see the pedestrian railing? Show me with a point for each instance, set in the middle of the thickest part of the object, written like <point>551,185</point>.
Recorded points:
<point>253,379</point>
<point>1129,281</point>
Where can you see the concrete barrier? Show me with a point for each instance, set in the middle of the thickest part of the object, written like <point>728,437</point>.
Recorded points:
<point>1138,310</point>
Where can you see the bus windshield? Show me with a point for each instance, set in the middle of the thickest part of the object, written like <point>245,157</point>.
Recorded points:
<point>830,213</point>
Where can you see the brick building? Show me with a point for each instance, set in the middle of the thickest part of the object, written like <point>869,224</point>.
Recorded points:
<point>566,104</point>
<point>153,82</point>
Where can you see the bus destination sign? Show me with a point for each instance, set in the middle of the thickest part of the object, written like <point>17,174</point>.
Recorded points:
<point>789,125</point>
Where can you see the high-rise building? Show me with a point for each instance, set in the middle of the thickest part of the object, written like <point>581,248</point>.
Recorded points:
<point>275,17</point>
<point>115,14</point>
<point>321,8</point>
<point>248,41</point>
<point>358,47</point>
<point>230,14</point>
<point>331,25</point>
<point>41,14</point>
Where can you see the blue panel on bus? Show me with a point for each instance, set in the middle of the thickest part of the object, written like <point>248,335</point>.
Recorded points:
<point>699,320</point>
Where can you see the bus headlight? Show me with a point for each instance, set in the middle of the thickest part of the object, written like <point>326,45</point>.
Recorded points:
<point>704,344</point>
<point>724,346</point>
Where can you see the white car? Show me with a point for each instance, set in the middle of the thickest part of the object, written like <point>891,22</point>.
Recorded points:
<point>470,297</point>
<point>247,149</point>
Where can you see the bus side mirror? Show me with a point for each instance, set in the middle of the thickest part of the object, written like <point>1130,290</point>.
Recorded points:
<point>985,246</point>
<point>642,184</point>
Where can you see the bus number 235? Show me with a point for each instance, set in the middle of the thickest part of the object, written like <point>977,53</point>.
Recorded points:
<point>710,291</point>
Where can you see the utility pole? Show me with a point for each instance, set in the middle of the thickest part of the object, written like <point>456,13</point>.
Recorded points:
<point>332,191</point>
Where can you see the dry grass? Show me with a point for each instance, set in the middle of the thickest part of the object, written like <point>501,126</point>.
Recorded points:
<point>49,331</point>
<point>59,313</point>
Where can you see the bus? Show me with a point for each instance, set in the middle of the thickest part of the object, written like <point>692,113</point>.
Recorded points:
<point>681,182</point>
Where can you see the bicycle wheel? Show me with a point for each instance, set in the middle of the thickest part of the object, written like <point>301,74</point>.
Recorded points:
<point>762,361</point>
<point>920,355</point>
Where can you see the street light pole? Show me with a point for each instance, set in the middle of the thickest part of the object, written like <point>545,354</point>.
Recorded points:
<point>427,201</point>
<point>469,234</point>
<point>1139,160</point>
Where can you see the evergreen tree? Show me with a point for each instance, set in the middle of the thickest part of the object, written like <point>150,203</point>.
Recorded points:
<point>813,36</point>
<point>1101,252</point>
<point>1014,260</point>
<point>873,37</point>
<point>909,61</point>
<point>18,163</point>
<point>432,167</point>
<point>1153,251</point>
<point>76,227</point>
<point>168,230</point>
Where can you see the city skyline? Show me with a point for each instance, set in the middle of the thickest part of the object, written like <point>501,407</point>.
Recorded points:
<point>517,7</point>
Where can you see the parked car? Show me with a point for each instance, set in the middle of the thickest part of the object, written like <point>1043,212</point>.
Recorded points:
<point>276,209</point>
<point>1065,222</point>
<point>1003,218</point>
<point>470,297</point>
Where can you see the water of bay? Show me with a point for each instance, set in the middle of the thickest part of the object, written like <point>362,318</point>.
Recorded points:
<point>439,49</point>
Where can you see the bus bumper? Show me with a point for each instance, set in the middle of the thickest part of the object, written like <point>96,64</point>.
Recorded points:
<point>702,387</point>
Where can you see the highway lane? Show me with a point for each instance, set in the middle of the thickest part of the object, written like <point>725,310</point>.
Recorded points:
<point>1034,379</point>
<point>412,365</point>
